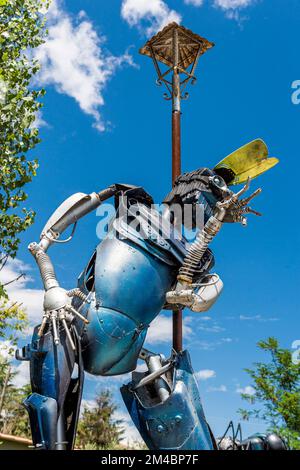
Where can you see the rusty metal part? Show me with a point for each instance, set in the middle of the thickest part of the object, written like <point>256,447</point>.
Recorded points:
<point>176,146</point>
<point>176,171</point>
<point>162,44</point>
<point>188,48</point>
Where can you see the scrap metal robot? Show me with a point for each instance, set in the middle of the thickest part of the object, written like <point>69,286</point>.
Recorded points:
<point>138,269</point>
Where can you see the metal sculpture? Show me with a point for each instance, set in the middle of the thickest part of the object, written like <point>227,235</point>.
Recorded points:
<point>143,265</point>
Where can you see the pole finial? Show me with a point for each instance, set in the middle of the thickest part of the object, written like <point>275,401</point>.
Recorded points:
<point>179,49</point>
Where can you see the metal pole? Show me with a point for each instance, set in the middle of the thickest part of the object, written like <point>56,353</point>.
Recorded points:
<point>176,167</point>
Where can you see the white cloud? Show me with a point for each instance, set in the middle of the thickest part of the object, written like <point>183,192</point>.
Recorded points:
<point>195,3</point>
<point>248,390</point>
<point>73,60</point>
<point>232,8</point>
<point>6,349</point>
<point>87,404</point>
<point>221,389</point>
<point>258,318</point>
<point>39,121</point>
<point>20,292</point>
<point>131,435</point>
<point>160,330</point>
<point>205,374</point>
<point>22,376</point>
<point>232,4</point>
<point>154,13</point>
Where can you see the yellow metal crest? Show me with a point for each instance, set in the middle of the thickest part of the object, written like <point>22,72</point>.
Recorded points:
<point>249,161</point>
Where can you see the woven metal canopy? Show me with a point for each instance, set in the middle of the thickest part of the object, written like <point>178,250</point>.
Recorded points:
<point>161,46</point>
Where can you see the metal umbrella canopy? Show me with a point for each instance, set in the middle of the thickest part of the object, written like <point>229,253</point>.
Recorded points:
<point>179,49</point>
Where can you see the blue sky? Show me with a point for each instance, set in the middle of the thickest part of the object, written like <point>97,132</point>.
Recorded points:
<point>105,121</point>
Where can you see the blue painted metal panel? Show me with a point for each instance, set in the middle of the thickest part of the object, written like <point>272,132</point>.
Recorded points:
<point>130,286</point>
<point>43,418</point>
<point>179,422</point>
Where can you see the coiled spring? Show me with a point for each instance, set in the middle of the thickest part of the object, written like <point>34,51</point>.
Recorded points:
<point>77,293</point>
<point>190,266</point>
<point>45,266</point>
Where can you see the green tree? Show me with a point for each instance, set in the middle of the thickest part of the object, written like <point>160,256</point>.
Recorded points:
<point>13,320</point>
<point>97,428</point>
<point>276,392</point>
<point>22,29</point>
<point>13,416</point>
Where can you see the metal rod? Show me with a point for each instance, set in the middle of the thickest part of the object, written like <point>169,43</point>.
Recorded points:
<point>61,443</point>
<point>176,167</point>
<point>68,334</point>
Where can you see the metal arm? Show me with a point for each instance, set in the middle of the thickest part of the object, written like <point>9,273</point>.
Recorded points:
<point>200,297</point>
<point>70,211</point>
<point>57,301</point>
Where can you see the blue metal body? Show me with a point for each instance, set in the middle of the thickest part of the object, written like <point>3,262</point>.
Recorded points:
<point>179,422</point>
<point>131,278</point>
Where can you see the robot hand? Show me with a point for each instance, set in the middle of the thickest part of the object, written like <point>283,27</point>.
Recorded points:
<point>236,208</point>
<point>57,301</point>
<point>198,297</point>
<point>58,310</point>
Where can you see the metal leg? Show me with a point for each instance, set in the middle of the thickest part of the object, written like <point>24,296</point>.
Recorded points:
<point>165,405</point>
<point>61,443</point>
<point>53,406</point>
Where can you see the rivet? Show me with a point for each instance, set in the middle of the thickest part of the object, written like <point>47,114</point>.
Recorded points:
<point>160,428</point>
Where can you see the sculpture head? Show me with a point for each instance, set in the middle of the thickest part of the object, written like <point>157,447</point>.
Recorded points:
<point>207,187</point>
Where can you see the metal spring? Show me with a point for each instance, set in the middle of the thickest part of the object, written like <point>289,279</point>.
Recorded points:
<point>47,270</point>
<point>77,293</point>
<point>190,266</point>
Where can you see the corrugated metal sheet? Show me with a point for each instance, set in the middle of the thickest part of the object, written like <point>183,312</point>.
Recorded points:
<point>189,43</point>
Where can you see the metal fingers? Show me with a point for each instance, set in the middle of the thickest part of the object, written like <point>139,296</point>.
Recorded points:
<point>243,190</point>
<point>43,325</point>
<point>57,317</point>
<point>245,202</point>
<point>53,316</point>
<point>64,323</point>
<point>72,310</point>
<point>248,210</point>
<point>237,208</point>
